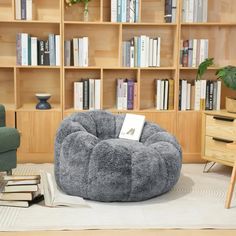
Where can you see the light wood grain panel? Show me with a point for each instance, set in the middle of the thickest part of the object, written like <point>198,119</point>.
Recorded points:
<point>72,76</point>
<point>110,85</point>
<point>189,133</point>
<point>167,34</point>
<point>220,128</point>
<point>34,157</point>
<point>38,81</point>
<point>7,86</point>
<point>10,118</point>
<point>38,131</point>
<point>221,41</point>
<point>8,33</point>
<point>103,47</point>
<point>218,150</point>
<point>148,86</point>
<point>6,10</point>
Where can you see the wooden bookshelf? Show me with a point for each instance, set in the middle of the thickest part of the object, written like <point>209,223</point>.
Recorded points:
<point>18,84</point>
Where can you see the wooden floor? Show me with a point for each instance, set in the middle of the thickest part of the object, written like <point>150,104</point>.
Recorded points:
<point>125,233</point>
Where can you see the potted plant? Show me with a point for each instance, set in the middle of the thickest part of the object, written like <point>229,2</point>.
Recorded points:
<point>71,2</point>
<point>202,68</point>
<point>228,75</point>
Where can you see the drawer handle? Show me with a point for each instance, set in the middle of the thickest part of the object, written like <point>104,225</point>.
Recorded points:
<point>223,118</point>
<point>222,140</point>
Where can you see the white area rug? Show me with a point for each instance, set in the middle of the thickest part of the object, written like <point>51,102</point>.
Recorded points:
<point>196,202</point>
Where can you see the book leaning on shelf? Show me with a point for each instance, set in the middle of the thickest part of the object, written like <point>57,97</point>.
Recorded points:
<point>33,51</point>
<point>20,190</point>
<point>23,9</point>
<point>141,51</point>
<point>126,94</point>
<point>87,94</point>
<point>125,10</point>
<point>194,10</point>
<point>202,95</point>
<point>76,52</point>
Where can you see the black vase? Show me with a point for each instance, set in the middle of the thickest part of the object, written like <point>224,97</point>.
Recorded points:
<point>43,104</point>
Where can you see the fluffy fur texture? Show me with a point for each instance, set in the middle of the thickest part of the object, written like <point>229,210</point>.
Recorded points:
<point>92,162</point>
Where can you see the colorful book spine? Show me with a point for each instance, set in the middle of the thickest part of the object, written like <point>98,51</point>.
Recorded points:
<point>130,95</point>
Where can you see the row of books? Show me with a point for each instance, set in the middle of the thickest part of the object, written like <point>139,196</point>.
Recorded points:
<point>76,52</point>
<point>164,94</point>
<point>127,94</point>
<point>20,190</point>
<point>23,9</point>
<point>170,11</point>
<point>193,52</point>
<point>87,94</point>
<point>194,11</point>
<point>141,51</point>
<point>202,95</point>
<point>34,51</point>
<point>125,10</point>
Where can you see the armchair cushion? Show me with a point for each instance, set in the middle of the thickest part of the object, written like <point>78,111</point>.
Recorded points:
<point>9,139</point>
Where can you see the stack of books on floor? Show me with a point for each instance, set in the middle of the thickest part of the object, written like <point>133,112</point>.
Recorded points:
<point>20,190</point>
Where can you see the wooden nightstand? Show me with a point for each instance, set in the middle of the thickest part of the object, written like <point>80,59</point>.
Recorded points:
<point>218,142</point>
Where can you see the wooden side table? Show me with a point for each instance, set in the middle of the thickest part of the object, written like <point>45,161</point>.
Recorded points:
<point>232,180</point>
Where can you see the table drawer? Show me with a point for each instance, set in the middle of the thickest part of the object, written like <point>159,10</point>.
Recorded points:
<point>217,148</point>
<point>220,126</point>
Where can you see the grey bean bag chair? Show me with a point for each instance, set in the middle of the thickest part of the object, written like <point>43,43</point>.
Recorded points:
<point>93,163</point>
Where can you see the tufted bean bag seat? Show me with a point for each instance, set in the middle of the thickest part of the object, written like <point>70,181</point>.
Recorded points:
<point>93,163</point>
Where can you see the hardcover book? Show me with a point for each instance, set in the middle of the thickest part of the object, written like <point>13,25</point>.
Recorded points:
<point>132,127</point>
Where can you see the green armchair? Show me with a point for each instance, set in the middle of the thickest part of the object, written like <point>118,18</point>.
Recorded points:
<point>9,142</point>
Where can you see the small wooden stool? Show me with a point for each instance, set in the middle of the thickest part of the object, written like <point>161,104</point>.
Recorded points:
<point>232,180</point>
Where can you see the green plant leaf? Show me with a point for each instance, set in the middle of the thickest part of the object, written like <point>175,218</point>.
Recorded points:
<point>228,76</point>
<point>202,68</point>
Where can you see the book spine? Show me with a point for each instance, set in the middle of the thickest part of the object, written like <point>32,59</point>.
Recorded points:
<point>58,51</point>
<point>23,9</point>
<point>150,62</point>
<point>29,50</point>
<point>190,10</point>
<point>139,51</point>
<point>75,52</point>
<point>119,94</point>
<point>171,95</point>
<point>46,54</point>
<point>195,11</point>
<point>24,48</point>
<point>18,49</point>
<point>28,9</point>
<point>41,52</point>
<point>197,95</point>
<point>146,51</point>
<point>211,96</point>
<point>91,94</point>
<point>158,94</point>
<point>17,10</point>
<point>125,95</point>
<point>123,10</point>
<point>86,94</point>
<point>166,94</point>
<point>132,52</point>
<point>113,10</point>
<point>137,10</point>
<point>80,95</point>
<point>142,54</point>
<point>127,52</point>
<point>130,95</point>
<point>203,95</point>
<point>194,60</point>
<point>183,95</point>
<point>136,51</point>
<point>158,51</point>
<point>173,11</point>
<point>185,53</point>
<point>168,11</point>
<point>127,10</point>
<point>162,95</point>
<point>214,95</point>
<point>218,95</point>
<point>97,94</point>
<point>34,51</point>
<point>67,57</point>
<point>52,54</point>
<point>188,105</point>
<point>131,11</point>
<point>154,58</point>
<point>204,10</point>
<point>192,97</point>
<point>135,96</point>
<point>76,101</point>
<point>81,52</point>
<point>190,53</point>
<point>85,51</point>
<point>119,10</point>
<point>207,107</point>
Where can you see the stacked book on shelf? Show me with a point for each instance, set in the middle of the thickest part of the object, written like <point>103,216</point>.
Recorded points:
<point>142,51</point>
<point>76,52</point>
<point>127,94</point>
<point>23,9</point>
<point>33,51</point>
<point>170,11</point>
<point>194,11</point>
<point>87,94</point>
<point>193,52</point>
<point>125,10</point>
<point>202,95</point>
<point>20,190</point>
<point>164,94</point>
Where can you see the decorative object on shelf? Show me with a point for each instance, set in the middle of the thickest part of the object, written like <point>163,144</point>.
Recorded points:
<point>202,68</point>
<point>86,12</point>
<point>228,75</point>
<point>43,104</point>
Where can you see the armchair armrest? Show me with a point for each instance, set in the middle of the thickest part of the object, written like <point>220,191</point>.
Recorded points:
<point>2,116</point>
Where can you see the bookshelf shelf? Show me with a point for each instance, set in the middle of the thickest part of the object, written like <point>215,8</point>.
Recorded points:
<point>18,84</point>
